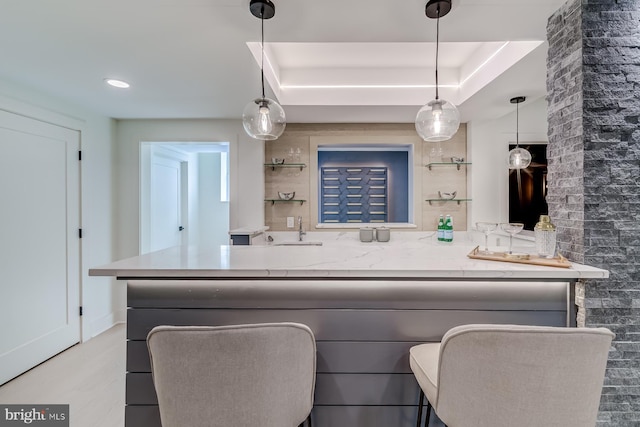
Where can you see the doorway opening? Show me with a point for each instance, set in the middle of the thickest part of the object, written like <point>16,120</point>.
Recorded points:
<point>528,188</point>
<point>184,194</point>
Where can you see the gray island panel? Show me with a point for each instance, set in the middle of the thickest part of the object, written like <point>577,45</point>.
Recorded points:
<point>363,329</point>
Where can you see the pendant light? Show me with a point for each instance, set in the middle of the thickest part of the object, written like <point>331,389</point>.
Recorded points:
<point>263,118</point>
<point>519,158</point>
<point>439,119</point>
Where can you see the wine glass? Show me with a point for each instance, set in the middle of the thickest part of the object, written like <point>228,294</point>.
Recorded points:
<point>435,154</point>
<point>290,159</point>
<point>487,228</point>
<point>512,228</point>
<point>297,158</point>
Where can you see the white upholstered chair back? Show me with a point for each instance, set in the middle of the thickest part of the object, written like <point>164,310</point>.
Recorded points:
<point>244,375</point>
<point>511,375</point>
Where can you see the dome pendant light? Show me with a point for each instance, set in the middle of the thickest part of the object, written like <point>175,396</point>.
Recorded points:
<point>263,118</point>
<point>439,119</point>
<point>519,158</point>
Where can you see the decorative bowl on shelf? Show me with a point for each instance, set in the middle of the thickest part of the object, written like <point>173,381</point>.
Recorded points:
<point>277,161</point>
<point>457,159</point>
<point>447,195</point>
<point>286,196</point>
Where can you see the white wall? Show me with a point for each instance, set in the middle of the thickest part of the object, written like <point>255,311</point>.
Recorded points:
<point>487,148</point>
<point>102,298</point>
<point>246,158</point>
<point>213,214</point>
<point>193,200</point>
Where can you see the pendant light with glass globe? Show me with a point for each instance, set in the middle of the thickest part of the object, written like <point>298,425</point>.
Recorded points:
<point>519,158</point>
<point>439,119</point>
<point>263,118</point>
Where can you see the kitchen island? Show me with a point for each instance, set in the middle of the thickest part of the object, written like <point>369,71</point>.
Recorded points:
<point>366,303</point>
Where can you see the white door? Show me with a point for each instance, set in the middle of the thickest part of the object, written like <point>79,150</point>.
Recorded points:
<point>39,242</point>
<point>165,204</point>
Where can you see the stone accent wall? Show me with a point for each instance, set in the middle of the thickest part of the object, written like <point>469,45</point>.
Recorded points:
<point>593,87</point>
<point>565,153</point>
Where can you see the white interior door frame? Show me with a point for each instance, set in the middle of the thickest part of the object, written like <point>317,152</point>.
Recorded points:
<point>185,151</point>
<point>150,153</point>
<point>48,115</point>
<point>41,249</point>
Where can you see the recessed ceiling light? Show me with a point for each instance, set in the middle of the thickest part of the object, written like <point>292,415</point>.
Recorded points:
<point>117,83</point>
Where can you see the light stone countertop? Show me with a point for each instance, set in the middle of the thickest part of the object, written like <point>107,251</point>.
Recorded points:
<point>408,255</point>
<point>251,231</point>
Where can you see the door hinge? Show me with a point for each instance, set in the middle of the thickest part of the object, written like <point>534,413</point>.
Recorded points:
<point>80,233</point>
<point>79,155</point>
<point>80,310</point>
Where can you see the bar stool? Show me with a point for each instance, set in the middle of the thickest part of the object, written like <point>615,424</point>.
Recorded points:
<point>242,375</point>
<point>513,375</point>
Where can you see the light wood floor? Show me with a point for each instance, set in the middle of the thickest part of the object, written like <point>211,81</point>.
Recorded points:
<point>89,377</point>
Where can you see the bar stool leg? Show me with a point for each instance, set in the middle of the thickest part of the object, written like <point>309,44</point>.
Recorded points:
<point>428,414</point>
<point>420,403</point>
<point>306,422</point>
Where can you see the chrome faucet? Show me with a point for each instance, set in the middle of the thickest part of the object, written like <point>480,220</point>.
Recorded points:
<point>301,232</point>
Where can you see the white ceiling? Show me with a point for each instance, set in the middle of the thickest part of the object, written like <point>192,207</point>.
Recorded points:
<point>328,61</point>
<point>384,74</point>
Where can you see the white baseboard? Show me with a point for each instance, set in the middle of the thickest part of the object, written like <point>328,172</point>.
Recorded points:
<point>97,326</point>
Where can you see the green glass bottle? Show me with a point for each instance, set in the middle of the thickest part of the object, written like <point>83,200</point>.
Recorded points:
<point>448,229</point>
<point>441,229</point>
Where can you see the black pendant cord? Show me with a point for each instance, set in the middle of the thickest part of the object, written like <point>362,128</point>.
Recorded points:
<point>517,126</point>
<point>437,46</point>
<point>262,50</point>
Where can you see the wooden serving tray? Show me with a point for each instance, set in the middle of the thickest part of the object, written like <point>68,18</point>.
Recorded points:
<point>558,261</point>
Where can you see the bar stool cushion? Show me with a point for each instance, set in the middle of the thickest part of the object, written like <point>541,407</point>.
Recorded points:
<point>423,360</point>
<point>240,375</point>
<point>508,375</point>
